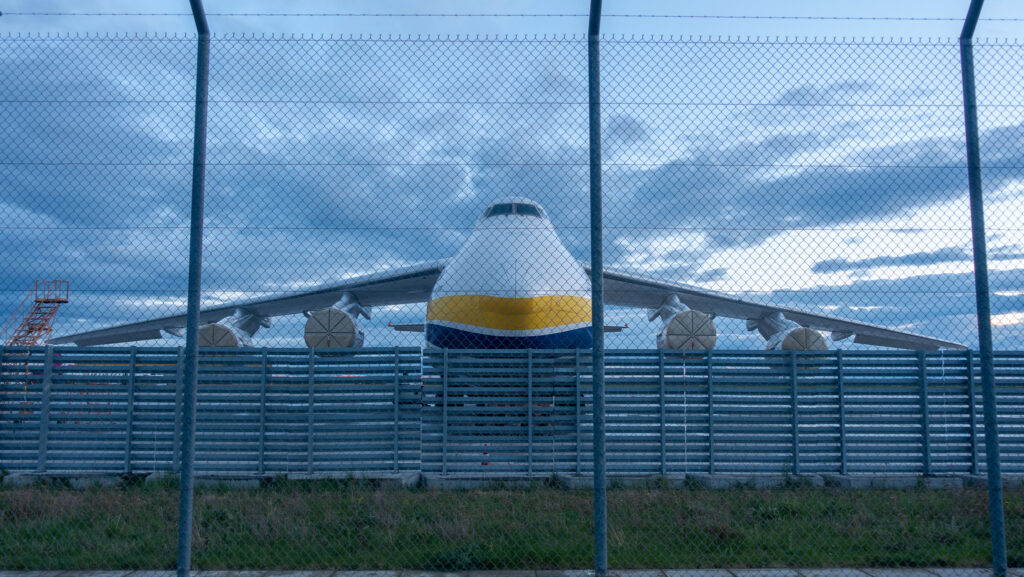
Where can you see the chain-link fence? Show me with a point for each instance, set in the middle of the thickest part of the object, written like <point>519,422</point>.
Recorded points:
<point>828,177</point>
<point>434,192</point>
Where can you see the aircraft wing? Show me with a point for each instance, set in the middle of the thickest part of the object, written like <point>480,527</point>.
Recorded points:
<point>400,286</point>
<point>625,289</point>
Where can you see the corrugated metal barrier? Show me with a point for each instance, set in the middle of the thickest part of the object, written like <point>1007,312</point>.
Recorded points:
<point>506,413</point>
<point>261,412</point>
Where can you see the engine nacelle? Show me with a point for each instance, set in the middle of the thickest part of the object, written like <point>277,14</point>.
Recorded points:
<point>798,339</point>
<point>221,335</point>
<point>682,328</point>
<point>783,334</point>
<point>688,330</point>
<point>333,328</point>
<point>234,331</point>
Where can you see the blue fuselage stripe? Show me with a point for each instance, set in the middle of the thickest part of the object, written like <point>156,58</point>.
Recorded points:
<point>449,338</point>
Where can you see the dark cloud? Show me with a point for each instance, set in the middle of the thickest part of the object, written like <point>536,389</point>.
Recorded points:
<point>933,305</point>
<point>950,254</point>
<point>736,196</point>
<point>1008,252</point>
<point>622,131</point>
<point>91,155</point>
<point>815,95</point>
<point>943,255</point>
<point>711,275</point>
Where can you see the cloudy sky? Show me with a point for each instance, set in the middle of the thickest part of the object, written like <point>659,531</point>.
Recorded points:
<point>824,174</point>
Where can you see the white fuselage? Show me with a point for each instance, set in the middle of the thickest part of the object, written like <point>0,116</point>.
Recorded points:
<point>513,284</point>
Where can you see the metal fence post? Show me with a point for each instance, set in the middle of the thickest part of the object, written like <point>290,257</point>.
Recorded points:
<point>444,414</point>
<point>179,391</point>
<point>44,410</point>
<point>842,412</point>
<point>3,377</point>
<point>309,413</point>
<point>597,288</point>
<point>796,413</point>
<point>130,413</point>
<point>972,403</point>
<point>661,404</point>
<point>261,450</point>
<point>579,416</point>
<point>711,415</point>
<point>926,439</point>
<point>398,397</point>
<point>195,267</point>
<point>529,411</point>
<point>981,289</point>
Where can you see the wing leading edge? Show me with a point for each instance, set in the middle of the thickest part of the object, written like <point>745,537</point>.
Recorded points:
<point>625,289</point>
<point>415,283</point>
<point>400,286</point>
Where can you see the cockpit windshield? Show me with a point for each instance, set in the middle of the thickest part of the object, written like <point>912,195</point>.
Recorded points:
<point>500,210</point>
<point>510,208</point>
<point>527,209</point>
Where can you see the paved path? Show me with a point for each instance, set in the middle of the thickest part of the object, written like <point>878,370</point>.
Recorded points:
<point>881,572</point>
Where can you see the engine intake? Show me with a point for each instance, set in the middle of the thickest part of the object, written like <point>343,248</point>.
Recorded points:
<point>684,329</point>
<point>801,339</point>
<point>331,328</point>
<point>218,335</point>
<point>336,326</point>
<point>688,330</point>
<point>234,331</point>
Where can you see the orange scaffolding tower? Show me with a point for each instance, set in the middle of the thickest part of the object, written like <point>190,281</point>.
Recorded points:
<point>37,324</point>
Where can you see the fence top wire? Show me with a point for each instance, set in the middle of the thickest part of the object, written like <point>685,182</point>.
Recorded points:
<point>524,15</point>
<point>503,38</point>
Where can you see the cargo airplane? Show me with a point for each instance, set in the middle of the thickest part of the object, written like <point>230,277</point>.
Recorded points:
<point>513,284</point>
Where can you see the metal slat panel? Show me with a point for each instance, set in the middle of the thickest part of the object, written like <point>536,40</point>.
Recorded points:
<point>874,418</point>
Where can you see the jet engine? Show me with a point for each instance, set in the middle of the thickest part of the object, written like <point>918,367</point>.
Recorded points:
<point>331,327</point>
<point>684,329</point>
<point>783,334</point>
<point>218,335</point>
<point>336,326</point>
<point>799,339</point>
<point>234,331</point>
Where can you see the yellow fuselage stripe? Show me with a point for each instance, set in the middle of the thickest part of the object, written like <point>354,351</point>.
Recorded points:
<point>511,314</point>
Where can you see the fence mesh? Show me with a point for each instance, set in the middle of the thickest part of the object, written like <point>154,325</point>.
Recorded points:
<point>823,176</point>
<point>412,192</point>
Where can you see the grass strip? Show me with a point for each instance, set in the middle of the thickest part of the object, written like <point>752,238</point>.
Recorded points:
<point>364,525</point>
